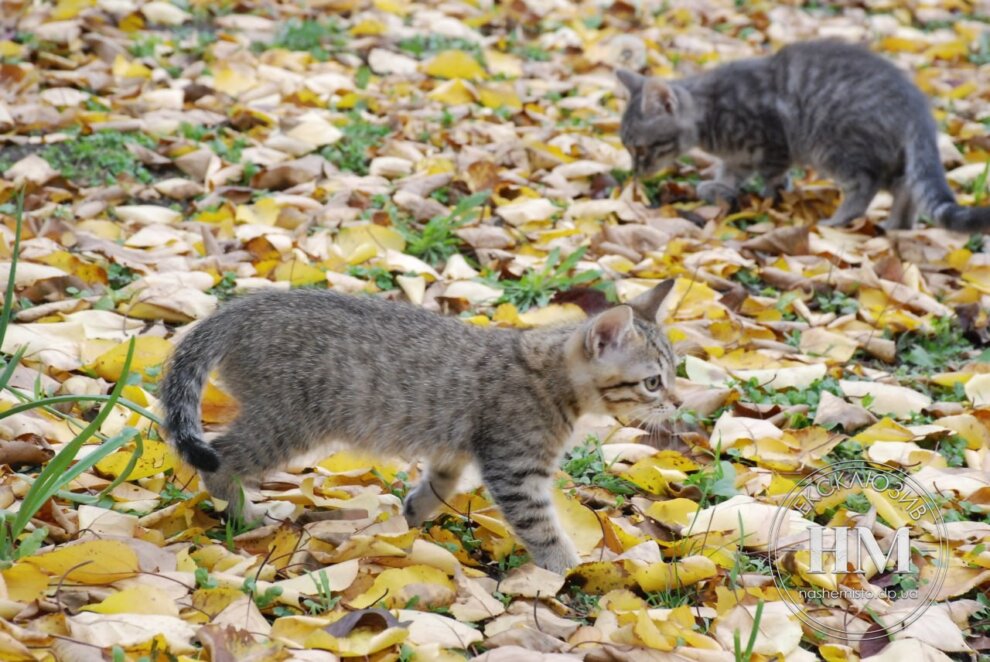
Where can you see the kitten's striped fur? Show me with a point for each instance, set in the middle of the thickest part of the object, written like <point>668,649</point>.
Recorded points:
<point>311,366</point>
<point>840,108</point>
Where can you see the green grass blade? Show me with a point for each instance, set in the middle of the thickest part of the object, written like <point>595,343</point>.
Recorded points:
<point>59,399</point>
<point>571,261</point>
<point>109,446</point>
<point>8,297</point>
<point>135,456</point>
<point>52,477</point>
<point>11,366</point>
<point>757,617</point>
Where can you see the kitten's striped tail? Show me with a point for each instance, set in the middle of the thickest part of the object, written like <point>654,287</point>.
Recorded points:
<point>182,388</point>
<point>926,179</point>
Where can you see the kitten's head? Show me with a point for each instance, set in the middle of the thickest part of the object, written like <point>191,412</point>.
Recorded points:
<point>629,366</point>
<point>654,127</point>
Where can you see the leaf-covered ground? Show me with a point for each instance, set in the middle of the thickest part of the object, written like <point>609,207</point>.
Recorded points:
<point>464,156</point>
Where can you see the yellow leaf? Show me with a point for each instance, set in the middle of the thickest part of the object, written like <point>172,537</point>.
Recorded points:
<point>978,390</point>
<point>66,9</point>
<point>218,215</point>
<point>499,95</point>
<point>621,600</point>
<point>600,577</point>
<point>263,212</point>
<point>435,165</point>
<point>123,68</point>
<point>158,457</point>
<point>949,50</point>
<point>453,93</point>
<point>650,476</point>
<point>969,428</point>
<point>555,313</point>
<point>232,81</point>
<point>508,314</point>
<point>218,407</point>
<point>299,273</point>
<point>619,538</point>
<point>962,92</point>
<point>893,512</point>
<point>580,522</point>
<point>392,7</point>
<point>674,512</point>
<point>650,635</point>
<point>149,352</point>
<point>212,601</point>
<point>675,460</point>
<point>662,576</point>
<point>10,48</point>
<point>360,642</point>
<point>391,582</point>
<point>884,430</point>
<point>25,582</point>
<point>358,547</point>
<point>979,277</point>
<point>93,562</point>
<point>454,64</point>
<point>143,600</point>
<point>380,238</point>
<point>131,23</point>
<point>902,45</point>
<point>368,27</point>
<point>503,63</point>
<point>837,653</point>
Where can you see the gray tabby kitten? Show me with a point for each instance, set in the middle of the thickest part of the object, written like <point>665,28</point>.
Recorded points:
<point>311,366</point>
<point>837,107</point>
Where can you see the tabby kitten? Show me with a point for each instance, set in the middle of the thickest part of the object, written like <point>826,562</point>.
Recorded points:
<point>307,367</point>
<point>837,107</point>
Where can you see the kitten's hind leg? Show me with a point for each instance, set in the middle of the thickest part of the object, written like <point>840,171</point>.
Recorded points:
<point>903,210</point>
<point>856,197</point>
<point>434,488</point>
<point>244,456</point>
<point>523,494</point>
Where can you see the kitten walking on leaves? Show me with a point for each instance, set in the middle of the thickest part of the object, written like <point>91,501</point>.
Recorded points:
<point>309,367</point>
<point>837,107</point>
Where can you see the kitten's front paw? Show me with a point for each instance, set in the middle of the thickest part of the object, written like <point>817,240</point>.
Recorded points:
<point>834,222</point>
<point>254,514</point>
<point>560,559</point>
<point>715,191</point>
<point>417,507</point>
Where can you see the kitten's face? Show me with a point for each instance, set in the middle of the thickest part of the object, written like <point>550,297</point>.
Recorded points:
<point>653,143</point>
<point>651,128</point>
<point>630,366</point>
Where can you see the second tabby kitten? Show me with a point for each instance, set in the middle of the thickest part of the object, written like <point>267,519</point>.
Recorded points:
<point>307,367</point>
<point>837,107</point>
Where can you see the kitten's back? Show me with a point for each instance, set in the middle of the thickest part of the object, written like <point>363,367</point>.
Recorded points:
<point>835,96</point>
<point>375,369</point>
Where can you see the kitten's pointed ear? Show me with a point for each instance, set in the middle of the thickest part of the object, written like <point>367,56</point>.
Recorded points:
<point>657,97</point>
<point>609,330</point>
<point>630,79</point>
<point>647,304</point>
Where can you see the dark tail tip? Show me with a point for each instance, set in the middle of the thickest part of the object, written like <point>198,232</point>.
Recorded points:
<point>198,453</point>
<point>966,219</point>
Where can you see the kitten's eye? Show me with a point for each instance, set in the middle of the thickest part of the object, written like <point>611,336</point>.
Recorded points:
<point>652,383</point>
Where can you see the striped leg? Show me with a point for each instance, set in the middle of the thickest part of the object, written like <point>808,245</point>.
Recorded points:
<point>523,494</point>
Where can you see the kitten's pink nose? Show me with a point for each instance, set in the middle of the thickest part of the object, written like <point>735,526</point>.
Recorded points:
<point>675,398</point>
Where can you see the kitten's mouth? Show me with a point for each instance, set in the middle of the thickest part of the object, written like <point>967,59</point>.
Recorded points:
<point>649,421</point>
